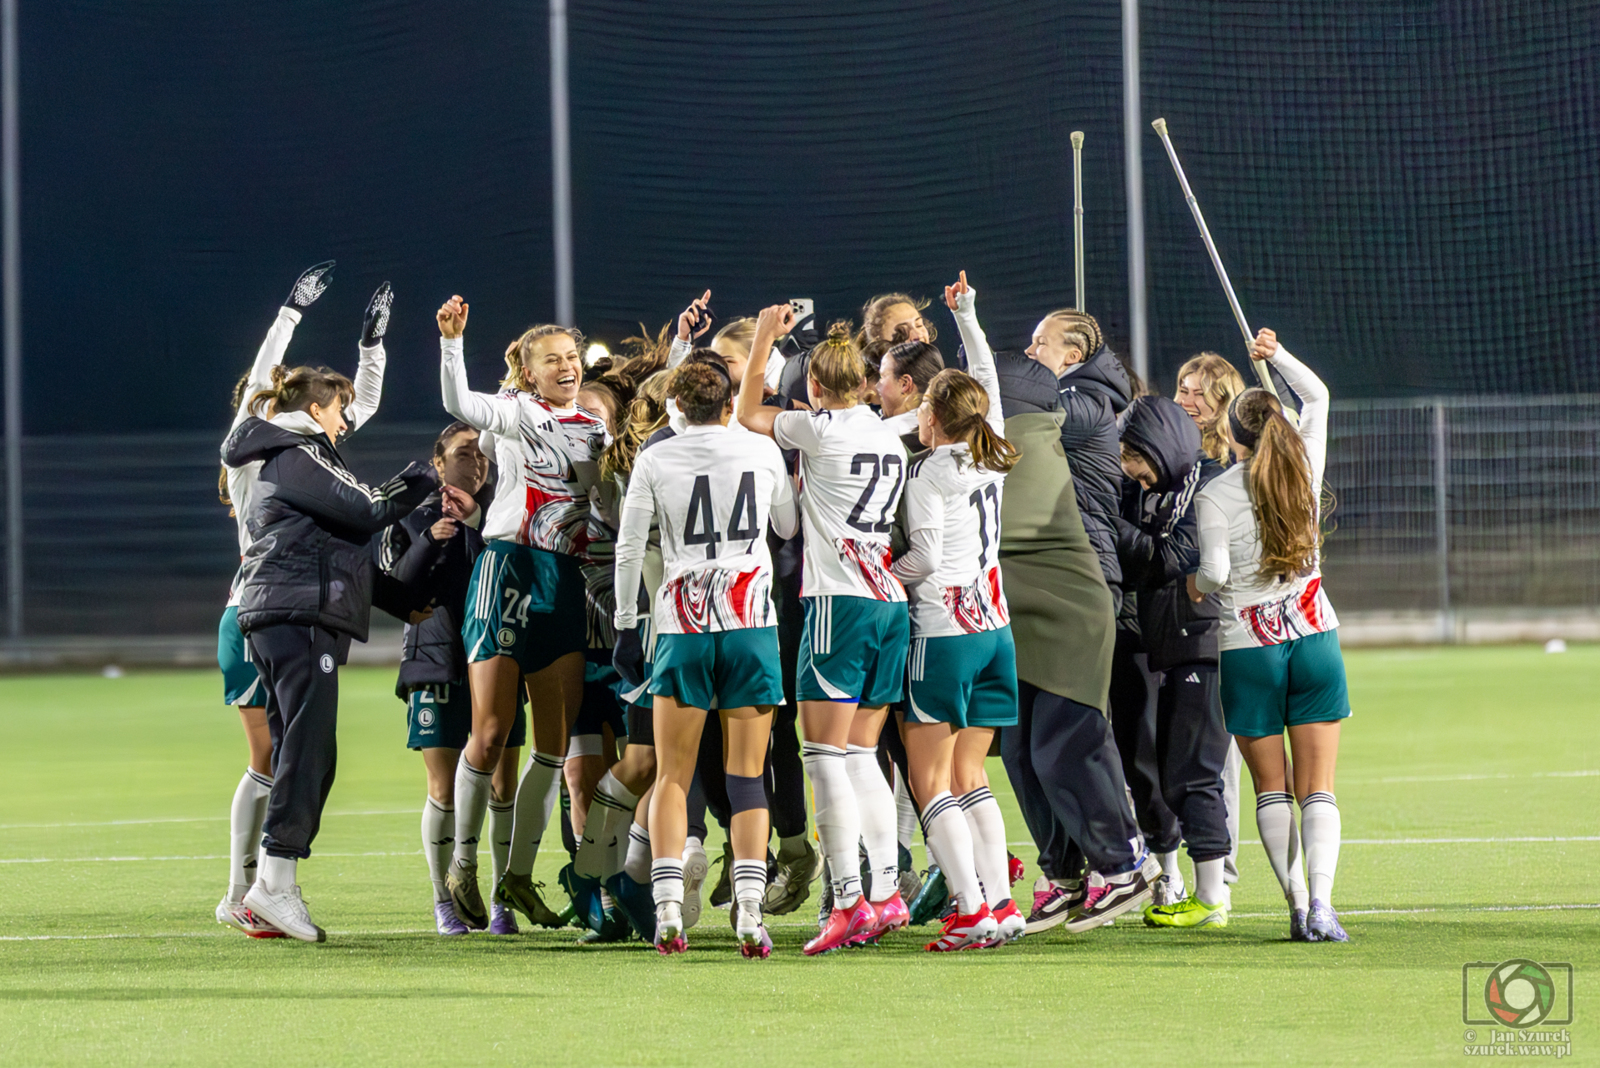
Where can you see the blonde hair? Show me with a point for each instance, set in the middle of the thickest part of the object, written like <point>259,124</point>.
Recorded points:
<point>962,408</point>
<point>876,310</point>
<point>1281,494</point>
<point>836,365</point>
<point>518,351</point>
<point>646,414</point>
<point>1221,383</point>
<point>739,333</point>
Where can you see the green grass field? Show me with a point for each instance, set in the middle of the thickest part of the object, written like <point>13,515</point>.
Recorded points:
<point>113,837</point>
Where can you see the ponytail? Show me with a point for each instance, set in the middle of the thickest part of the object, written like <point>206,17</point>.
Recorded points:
<point>298,389</point>
<point>1282,497</point>
<point>836,365</point>
<point>962,407</point>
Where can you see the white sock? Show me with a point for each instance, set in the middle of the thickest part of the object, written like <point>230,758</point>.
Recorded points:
<point>875,806</point>
<point>666,880</point>
<point>1208,884</point>
<point>472,801</point>
<point>536,800</point>
<point>637,864</point>
<point>276,874</point>
<point>1170,868</point>
<point>692,844</point>
<point>244,826</point>
<point>945,830</point>
<point>838,819</point>
<point>1319,822</point>
<point>438,843</point>
<point>988,829</point>
<point>905,813</point>
<point>1275,821</point>
<point>749,881</point>
<point>500,821</point>
<point>609,812</point>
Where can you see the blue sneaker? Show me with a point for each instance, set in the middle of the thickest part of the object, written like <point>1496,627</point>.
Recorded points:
<point>1297,926</point>
<point>1322,924</point>
<point>636,902</point>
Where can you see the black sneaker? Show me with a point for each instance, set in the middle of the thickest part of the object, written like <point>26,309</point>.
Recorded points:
<point>1055,906</point>
<point>1107,898</point>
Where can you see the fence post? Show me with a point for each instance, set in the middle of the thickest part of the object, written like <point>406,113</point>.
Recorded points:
<point>1441,503</point>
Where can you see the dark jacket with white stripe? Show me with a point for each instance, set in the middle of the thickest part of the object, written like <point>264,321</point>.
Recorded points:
<point>1158,536</point>
<point>435,574</point>
<point>311,526</point>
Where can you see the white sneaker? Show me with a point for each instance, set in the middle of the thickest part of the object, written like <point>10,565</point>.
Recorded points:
<point>695,869</point>
<point>234,914</point>
<point>286,911</point>
<point>754,942</point>
<point>1168,891</point>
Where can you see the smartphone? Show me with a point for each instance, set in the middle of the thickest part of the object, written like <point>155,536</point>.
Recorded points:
<point>803,308</point>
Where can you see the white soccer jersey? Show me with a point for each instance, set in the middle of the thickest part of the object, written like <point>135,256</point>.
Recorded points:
<point>852,471</point>
<point>546,494</point>
<point>712,494</point>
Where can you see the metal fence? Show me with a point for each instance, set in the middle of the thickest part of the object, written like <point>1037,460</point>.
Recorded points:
<point>1462,503</point>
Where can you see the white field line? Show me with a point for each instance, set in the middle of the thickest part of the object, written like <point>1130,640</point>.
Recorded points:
<point>1473,778</point>
<point>224,933</point>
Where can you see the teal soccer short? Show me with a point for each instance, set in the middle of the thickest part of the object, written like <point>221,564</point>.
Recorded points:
<point>1272,687</point>
<point>439,716</point>
<point>527,604</point>
<point>241,682</point>
<point>720,669</point>
<point>853,649</point>
<point>965,680</point>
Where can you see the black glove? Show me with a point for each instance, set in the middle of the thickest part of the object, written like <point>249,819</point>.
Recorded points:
<point>628,657</point>
<point>310,285</point>
<point>376,321</point>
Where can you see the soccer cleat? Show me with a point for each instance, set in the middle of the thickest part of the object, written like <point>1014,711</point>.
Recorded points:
<point>790,884</point>
<point>669,929</point>
<point>1015,869</point>
<point>722,893</point>
<point>585,894</point>
<point>502,919</point>
<point>446,920</point>
<point>1167,891</point>
<point>610,926</point>
<point>695,868</point>
<point>285,911</point>
<point>932,899</point>
<point>235,915</point>
<point>636,903</point>
<point>890,914</point>
<point>754,941</point>
<point>845,927</point>
<point>462,882</point>
<point>1190,912</point>
<point>1056,905</point>
<point>910,883</point>
<point>1322,924</point>
<point>520,892</point>
<point>1012,926</point>
<point>1297,926</point>
<point>1106,899</point>
<point>974,931</point>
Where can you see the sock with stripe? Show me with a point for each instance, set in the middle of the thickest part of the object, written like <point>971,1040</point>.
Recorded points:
<point>609,812</point>
<point>905,813</point>
<point>838,820</point>
<point>637,864</point>
<point>749,881</point>
<point>666,880</point>
<point>244,831</point>
<point>1275,821</point>
<point>472,801</point>
<point>438,843</point>
<point>536,800</point>
<point>1319,822</point>
<point>500,821</point>
<point>946,832</point>
<point>988,829</point>
<point>875,806</point>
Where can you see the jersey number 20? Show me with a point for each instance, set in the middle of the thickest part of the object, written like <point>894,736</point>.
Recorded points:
<point>700,525</point>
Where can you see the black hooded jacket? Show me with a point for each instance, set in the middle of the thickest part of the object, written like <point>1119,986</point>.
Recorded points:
<point>1092,397</point>
<point>1158,537</point>
<point>435,574</point>
<point>311,527</point>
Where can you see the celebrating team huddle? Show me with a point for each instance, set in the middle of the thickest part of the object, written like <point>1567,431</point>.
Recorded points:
<point>697,577</point>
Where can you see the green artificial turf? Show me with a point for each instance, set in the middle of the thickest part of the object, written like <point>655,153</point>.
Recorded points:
<point>113,803</point>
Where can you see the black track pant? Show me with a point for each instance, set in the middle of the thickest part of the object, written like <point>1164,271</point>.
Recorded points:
<point>1191,747</point>
<point>1133,721</point>
<point>786,775</point>
<point>300,666</point>
<point>1062,752</point>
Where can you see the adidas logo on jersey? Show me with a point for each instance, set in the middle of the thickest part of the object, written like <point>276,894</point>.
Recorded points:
<point>1194,676</point>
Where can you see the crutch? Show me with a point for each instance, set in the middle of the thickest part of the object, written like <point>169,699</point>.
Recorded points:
<point>1077,215</point>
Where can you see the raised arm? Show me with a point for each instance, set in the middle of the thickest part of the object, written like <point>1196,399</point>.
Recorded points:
<point>962,299</point>
<point>771,324</point>
<point>369,367</point>
<point>1313,394</point>
<point>311,284</point>
<point>493,415</point>
<point>693,322</point>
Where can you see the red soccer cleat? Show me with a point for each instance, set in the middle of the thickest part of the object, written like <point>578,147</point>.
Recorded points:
<point>974,931</point>
<point>1015,868</point>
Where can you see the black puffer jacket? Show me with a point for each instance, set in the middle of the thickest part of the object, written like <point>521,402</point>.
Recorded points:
<point>435,574</point>
<point>1158,538</point>
<point>1093,396</point>
<point>311,525</point>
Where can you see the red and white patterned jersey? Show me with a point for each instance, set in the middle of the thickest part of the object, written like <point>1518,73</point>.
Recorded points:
<point>947,494</point>
<point>852,471</point>
<point>711,493</point>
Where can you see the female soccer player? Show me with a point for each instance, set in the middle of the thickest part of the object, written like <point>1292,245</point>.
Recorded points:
<point>241,681</point>
<point>853,647</point>
<point>1207,384</point>
<point>305,594</point>
<point>962,679</point>
<point>526,619</point>
<point>1260,541</point>
<point>904,371</point>
<point>712,495</point>
<point>891,318</point>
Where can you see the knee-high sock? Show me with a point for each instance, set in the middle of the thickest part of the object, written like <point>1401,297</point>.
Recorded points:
<point>946,832</point>
<point>500,821</point>
<point>838,819</point>
<point>1275,821</point>
<point>666,880</point>
<point>637,864</point>
<point>1319,822</point>
<point>438,843</point>
<point>988,828</point>
<point>875,804</point>
<point>472,801</point>
<point>905,813</point>
<point>536,800</point>
<point>609,814</point>
<point>244,827</point>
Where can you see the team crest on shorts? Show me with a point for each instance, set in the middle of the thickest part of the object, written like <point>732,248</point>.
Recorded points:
<point>508,637</point>
<point>327,664</point>
<point>425,717</point>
